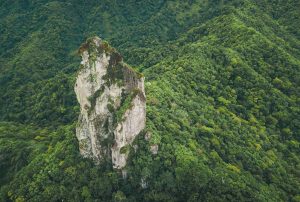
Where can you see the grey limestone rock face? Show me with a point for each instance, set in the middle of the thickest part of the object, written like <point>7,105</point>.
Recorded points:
<point>112,103</point>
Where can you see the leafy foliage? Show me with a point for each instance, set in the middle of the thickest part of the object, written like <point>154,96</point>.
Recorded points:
<point>222,86</point>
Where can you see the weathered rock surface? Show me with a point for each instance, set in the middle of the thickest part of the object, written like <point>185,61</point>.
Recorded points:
<point>154,149</point>
<point>112,103</point>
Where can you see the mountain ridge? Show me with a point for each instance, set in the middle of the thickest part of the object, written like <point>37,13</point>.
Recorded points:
<point>222,86</point>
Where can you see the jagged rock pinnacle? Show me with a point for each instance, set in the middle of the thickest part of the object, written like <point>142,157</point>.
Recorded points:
<point>112,103</point>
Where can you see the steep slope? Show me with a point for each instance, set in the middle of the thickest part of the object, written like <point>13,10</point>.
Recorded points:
<point>222,86</point>
<point>112,104</point>
<point>227,110</point>
<point>19,144</point>
<point>33,65</point>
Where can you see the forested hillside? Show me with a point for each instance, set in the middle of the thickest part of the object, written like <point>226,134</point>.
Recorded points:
<point>222,83</point>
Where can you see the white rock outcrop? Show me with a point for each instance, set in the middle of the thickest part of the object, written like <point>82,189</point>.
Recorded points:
<point>112,104</point>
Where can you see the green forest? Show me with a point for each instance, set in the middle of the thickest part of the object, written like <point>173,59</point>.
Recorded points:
<point>222,81</point>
